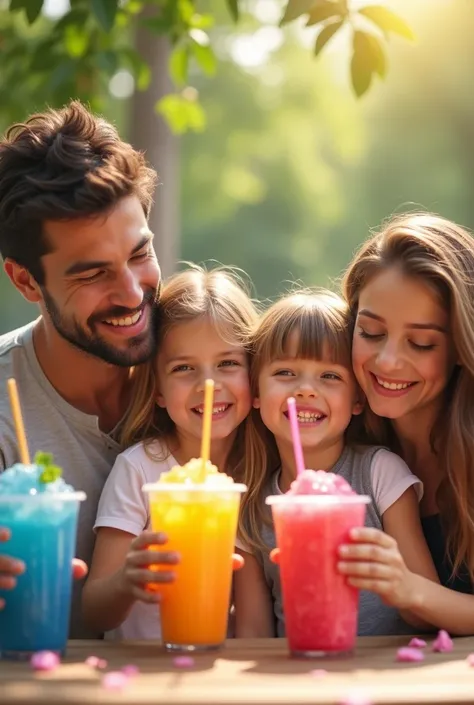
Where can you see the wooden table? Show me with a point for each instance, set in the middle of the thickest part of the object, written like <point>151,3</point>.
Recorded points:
<point>247,671</point>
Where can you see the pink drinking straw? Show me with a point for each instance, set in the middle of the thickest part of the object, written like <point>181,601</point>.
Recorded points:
<point>295,434</point>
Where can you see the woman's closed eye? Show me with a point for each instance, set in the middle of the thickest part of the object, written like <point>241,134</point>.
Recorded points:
<point>370,336</point>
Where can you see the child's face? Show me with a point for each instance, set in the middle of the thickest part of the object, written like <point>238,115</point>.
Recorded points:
<point>191,353</point>
<point>402,355</point>
<point>325,394</point>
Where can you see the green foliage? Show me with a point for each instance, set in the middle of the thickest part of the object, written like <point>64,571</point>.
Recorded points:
<point>50,472</point>
<point>60,58</point>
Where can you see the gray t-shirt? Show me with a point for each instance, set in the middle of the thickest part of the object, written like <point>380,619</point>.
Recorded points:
<point>85,453</point>
<point>384,477</point>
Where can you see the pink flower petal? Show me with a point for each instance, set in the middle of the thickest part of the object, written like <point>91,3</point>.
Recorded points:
<point>408,654</point>
<point>115,680</point>
<point>183,662</point>
<point>470,660</point>
<point>416,643</point>
<point>318,673</point>
<point>130,670</point>
<point>44,661</point>
<point>96,662</point>
<point>443,642</point>
<point>356,698</point>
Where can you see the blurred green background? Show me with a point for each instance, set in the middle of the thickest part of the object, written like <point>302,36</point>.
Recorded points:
<point>291,171</point>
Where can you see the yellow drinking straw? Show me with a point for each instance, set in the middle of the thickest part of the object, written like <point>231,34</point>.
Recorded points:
<point>206,425</point>
<point>18,420</point>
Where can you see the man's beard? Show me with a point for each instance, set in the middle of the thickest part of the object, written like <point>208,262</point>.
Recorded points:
<point>140,348</point>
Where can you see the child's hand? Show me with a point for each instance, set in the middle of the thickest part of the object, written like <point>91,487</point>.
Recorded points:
<point>137,572</point>
<point>372,561</point>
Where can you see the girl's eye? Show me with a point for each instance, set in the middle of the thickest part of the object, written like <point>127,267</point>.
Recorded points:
<point>369,336</point>
<point>283,373</point>
<point>331,375</point>
<point>422,347</point>
<point>229,363</point>
<point>181,368</point>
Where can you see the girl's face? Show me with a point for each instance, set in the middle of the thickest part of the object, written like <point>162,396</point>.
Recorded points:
<point>191,353</point>
<point>402,354</point>
<point>325,393</point>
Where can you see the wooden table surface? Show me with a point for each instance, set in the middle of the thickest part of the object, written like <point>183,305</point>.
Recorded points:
<point>247,671</point>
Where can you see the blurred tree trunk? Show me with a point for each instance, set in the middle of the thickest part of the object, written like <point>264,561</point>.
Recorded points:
<point>149,133</point>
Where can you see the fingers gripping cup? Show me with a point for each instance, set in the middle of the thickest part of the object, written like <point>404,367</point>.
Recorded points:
<point>40,510</point>
<point>199,515</point>
<point>311,521</point>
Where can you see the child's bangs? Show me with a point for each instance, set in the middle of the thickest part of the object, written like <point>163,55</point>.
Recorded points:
<point>310,333</point>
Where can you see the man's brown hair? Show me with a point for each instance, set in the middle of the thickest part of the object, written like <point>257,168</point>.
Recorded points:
<point>63,165</point>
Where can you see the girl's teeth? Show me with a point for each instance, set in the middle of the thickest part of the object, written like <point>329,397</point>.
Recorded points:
<point>127,321</point>
<point>308,416</point>
<point>215,409</point>
<point>393,385</point>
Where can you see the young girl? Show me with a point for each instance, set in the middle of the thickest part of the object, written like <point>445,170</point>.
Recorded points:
<point>410,289</point>
<point>204,325</point>
<point>301,349</point>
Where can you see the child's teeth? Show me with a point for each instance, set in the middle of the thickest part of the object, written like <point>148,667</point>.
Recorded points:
<point>308,416</point>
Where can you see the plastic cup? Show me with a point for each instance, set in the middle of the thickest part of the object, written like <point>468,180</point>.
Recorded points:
<point>200,522</point>
<point>320,608</point>
<point>43,535</point>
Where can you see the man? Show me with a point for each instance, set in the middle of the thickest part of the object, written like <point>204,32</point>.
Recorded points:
<point>74,203</point>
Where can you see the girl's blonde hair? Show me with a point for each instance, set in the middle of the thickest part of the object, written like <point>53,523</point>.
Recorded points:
<point>441,254</point>
<point>219,295</point>
<point>319,319</point>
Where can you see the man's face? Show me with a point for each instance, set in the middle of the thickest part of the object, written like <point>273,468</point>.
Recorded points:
<point>101,284</point>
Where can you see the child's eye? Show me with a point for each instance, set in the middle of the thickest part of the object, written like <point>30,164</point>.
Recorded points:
<point>181,368</point>
<point>331,375</point>
<point>283,373</point>
<point>229,363</point>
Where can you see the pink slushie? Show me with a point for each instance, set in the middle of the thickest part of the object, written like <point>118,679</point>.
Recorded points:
<point>311,521</point>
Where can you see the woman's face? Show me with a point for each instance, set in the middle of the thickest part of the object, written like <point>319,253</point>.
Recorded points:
<point>402,351</point>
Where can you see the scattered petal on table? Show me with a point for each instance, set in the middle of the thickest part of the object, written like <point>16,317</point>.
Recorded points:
<point>416,643</point>
<point>115,680</point>
<point>96,662</point>
<point>130,670</point>
<point>470,660</point>
<point>443,642</point>
<point>183,661</point>
<point>44,661</point>
<point>318,673</point>
<point>409,654</point>
<point>356,697</point>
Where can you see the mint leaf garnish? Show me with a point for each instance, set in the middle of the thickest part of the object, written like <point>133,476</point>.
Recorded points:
<point>50,472</point>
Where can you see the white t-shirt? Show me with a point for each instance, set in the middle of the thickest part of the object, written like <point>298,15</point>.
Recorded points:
<point>124,506</point>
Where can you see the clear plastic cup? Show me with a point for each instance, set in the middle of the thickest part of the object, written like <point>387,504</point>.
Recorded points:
<point>43,535</point>
<point>320,608</point>
<point>200,522</point>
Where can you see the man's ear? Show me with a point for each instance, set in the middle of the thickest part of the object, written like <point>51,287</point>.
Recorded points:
<point>23,281</point>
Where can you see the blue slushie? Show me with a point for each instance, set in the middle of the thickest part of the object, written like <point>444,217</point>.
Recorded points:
<point>40,510</point>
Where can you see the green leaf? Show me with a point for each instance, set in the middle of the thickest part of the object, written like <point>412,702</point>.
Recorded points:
<point>32,8</point>
<point>105,11</point>
<point>202,21</point>
<point>326,34</point>
<point>181,113</point>
<point>140,68</point>
<point>205,57</point>
<point>296,8</point>
<point>387,20</point>
<point>324,10</point>
<point>178,64</point>
<point>42,458</point>
<point>379,60</point>
<point>107,61</point>
<point>76,40</point>
<point>361,65</point>
<point>233,6</point>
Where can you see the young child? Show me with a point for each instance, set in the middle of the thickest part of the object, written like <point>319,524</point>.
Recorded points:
<point>302,349</point>
<point>205,322</point>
